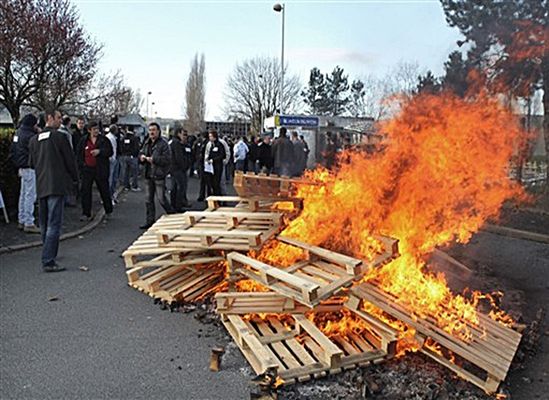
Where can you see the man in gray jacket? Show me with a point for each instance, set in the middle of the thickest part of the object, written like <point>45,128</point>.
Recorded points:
<point>156,157</point>
<point>52,158</point>
<point>283,154</point>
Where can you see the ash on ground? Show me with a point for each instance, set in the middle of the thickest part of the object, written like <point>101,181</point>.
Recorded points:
<point>412,377</point>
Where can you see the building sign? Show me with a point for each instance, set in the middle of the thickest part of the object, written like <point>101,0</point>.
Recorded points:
<point>296,120</point>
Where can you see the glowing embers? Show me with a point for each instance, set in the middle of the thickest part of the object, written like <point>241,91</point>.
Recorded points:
<point>485,357</point>
<point>295,348</point>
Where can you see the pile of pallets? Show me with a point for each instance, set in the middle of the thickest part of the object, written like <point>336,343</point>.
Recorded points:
<point>287,326</point>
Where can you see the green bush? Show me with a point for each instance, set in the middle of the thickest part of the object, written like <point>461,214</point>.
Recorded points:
<point>9,181</point>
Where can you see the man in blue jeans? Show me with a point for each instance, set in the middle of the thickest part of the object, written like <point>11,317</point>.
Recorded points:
<point>52,158</point>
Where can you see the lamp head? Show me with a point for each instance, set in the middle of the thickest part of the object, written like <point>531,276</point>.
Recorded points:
<point>277,7</point>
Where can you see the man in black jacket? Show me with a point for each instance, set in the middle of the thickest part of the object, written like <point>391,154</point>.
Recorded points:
<point>19,154</point>
<point>156,157</point>
<point>265,156</point>
<point>129,152</point>
<point>214,154</point>
<point>93,155</point>
<point>181,151</point>
<point>199,149</point>
<point>78,133</point>
<point>51,156</point>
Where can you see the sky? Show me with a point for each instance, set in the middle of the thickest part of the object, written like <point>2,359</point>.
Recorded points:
<point>152,42</point>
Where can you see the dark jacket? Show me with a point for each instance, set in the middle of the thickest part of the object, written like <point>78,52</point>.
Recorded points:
<point>159,150</point>
<point>102,159</point>
<point>182,155</point>
<point>51,156</point>
<point>129,145</point>
<point>283,152</point>
<point>217,152</point>
<point>19,151</point>
<point>77,136</point>
<point>198,150</point>
<point>265,156</point>
<point>300,157</point>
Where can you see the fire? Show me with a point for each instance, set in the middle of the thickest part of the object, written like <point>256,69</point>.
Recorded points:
<point>443,173</point>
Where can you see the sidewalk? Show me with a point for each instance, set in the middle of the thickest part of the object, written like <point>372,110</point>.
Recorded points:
<point>84,334</point>
<point>10,235</point>
<point>11,238</point>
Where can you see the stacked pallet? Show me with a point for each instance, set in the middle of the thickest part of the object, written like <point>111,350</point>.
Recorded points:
<point>289,327</point>
<point>180,258</point>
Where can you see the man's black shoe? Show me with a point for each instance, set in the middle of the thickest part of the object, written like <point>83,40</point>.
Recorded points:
<point>145,226</point>
<point>53,268</point>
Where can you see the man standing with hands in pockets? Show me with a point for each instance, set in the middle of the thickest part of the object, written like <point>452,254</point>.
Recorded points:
<point>51,156</point>
<point>156,157</point>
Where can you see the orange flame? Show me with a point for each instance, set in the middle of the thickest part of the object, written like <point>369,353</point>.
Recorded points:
<point>443,172</point>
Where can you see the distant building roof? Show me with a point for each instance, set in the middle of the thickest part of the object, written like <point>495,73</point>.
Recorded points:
<point>5,117</point>
<point>131,120</point>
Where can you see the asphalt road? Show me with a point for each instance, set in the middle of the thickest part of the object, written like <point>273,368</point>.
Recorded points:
<point>98,338</point>
<point>101,338</point>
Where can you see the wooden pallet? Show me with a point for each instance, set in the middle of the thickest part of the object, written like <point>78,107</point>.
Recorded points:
<point>242,303</point>
<point>321,275</point>
<point>489,353</point>
<point>220,230</point>
<point>288,205</point>
<point>247,303</point>
<point>296,350</point>
<point>178,282</point>
<point>263,185</point>
<point>145,251</point>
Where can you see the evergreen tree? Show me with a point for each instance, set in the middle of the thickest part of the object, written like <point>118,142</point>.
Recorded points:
<point>337,91</point>
<point>456,72</point>
<point>428,83</point>
<point>356,102</point>
<point>315,95</point>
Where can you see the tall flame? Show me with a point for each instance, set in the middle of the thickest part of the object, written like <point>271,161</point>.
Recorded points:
<point>443,172</point>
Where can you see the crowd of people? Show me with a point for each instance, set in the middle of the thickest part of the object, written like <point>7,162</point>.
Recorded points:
<point>58,162</point>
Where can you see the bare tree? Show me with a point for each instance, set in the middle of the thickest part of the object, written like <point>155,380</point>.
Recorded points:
<point>45,55</point>
<point>253,87</point>
<point>106,95</point>
<point>404,77</point>
<point>195,95</point>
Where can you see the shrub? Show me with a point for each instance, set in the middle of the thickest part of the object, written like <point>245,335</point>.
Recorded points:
<point>9,181</point>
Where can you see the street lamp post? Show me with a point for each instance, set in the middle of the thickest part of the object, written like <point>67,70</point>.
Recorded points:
<point>152,107</point>
<point>260,76</point>
<point>281,8</point>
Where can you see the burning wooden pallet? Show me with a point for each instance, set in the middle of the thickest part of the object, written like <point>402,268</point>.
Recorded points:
<point>321,275</point>
<point>490,351</point>
<point>296,350</point>
<point>220,230</point>
<point>242,303</point>
<point>263,185</point>
<point>247,303</point>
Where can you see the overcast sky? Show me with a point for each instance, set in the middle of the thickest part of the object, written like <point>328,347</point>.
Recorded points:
<point>153,41</point>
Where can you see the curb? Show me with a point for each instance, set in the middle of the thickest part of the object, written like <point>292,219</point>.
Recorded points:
<point>516,233</point>
<point>69,235</point>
